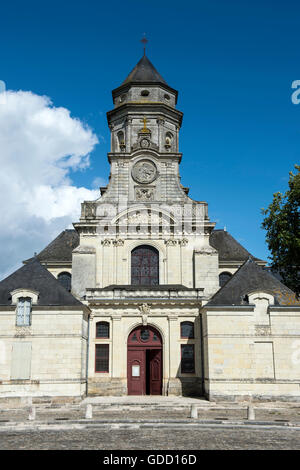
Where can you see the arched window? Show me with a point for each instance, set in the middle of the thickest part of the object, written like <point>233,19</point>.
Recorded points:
<point>145,266</point>
<point>65,280</point>
<point>102,329</point>
<point>187,329</point>
<point>121,141</point>
<point>223,278</point>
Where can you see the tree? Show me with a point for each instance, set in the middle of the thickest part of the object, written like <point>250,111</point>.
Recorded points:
<point>282,223</point>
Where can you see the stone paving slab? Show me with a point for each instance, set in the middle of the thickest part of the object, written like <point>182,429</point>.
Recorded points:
<point>209,438</point>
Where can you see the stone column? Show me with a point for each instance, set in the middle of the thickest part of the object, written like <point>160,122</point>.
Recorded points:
<point>173,386</point>
<point>117,345</point>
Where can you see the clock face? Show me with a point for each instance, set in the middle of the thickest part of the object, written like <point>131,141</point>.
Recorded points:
<point>144,172</point>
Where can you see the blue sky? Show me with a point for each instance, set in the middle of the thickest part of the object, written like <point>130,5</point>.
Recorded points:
<point>232,62</point>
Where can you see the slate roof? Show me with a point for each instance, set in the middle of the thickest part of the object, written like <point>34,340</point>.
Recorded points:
<point>144,71</point>
<point>34,276</point>
<point>60,249</point>
<point>229,249</point>
<point>250,278</point>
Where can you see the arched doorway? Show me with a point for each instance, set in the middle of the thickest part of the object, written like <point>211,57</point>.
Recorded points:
<point>144,361</point>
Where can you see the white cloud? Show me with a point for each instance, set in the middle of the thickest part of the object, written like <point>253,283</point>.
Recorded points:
<point>39,146</point>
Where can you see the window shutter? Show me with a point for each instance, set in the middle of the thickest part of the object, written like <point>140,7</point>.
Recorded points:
<point>21,361</point>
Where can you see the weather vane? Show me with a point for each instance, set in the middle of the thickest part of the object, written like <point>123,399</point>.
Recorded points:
<point>144,41</point>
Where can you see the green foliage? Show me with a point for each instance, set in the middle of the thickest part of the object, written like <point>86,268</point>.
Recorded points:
<point>282,223</point>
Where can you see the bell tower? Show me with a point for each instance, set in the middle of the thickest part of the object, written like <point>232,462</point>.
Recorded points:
<point>144,202</point>
<point>144,125</point>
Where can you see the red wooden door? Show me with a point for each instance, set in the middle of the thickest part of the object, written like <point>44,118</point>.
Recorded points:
<point>155,372</point>
<point>144,361</point>
<point>136,372</point>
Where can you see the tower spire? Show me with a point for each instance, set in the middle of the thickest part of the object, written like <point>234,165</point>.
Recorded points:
<point>144,41</point>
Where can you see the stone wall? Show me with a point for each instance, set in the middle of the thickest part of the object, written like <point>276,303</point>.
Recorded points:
<point>246,359</point>
<point>46,359</point>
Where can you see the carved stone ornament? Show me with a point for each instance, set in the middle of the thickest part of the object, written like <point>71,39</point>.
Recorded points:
<point>144,172</point>
<point>142,218</point>
<point>144,320</point>
<point>145,309</point>
<point>23,331</point>
<point>144,143</point>
<point>144,194</point>
<point>105,242</point>
<point>173,242</point>
<point>262,330</point>
<point>118,242</point>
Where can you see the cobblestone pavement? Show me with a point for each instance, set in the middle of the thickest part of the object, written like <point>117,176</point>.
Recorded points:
<point>154,439</point>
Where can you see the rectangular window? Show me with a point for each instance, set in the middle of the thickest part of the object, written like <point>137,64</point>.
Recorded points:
<point>102,330</point>
<point>102,358</point>
<point>187,359</point>
<point>187,329</point>
<point>24,311</point>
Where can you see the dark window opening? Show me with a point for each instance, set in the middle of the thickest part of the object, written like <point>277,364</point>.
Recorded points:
<point>102,358</point>
<point>187,329</point>
<point>187,359</point>
<point>65,280</point>
<point>223,278</point>
<point>145,266</point>
<point>102,330</point>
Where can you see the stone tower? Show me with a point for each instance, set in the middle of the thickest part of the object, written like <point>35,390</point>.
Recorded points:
<point>144,202</point>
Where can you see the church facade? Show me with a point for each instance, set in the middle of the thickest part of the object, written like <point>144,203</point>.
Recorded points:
<point>145,296</point>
